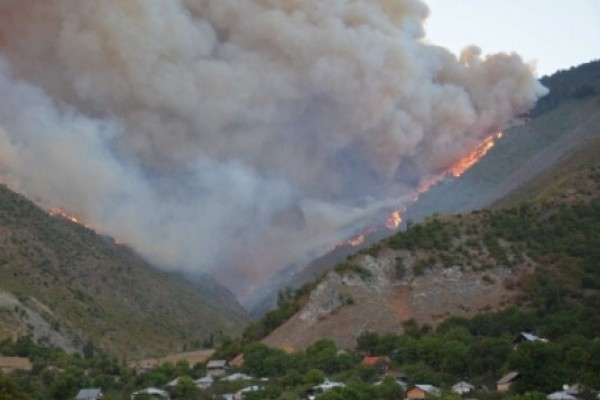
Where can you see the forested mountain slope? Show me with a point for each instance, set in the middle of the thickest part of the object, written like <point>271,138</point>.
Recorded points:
<point>542,254</point>
<point>65,285</point>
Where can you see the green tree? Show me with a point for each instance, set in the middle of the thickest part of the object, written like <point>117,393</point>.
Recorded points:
<point>539,365</point>
<point>323,355</point>
<point>367,342</point>
<point>9,390</point>
<point>390,389</point>
<point>185,389</point>
<point>314,377</point>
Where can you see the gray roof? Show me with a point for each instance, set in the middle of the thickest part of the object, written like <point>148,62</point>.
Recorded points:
<point>508,377</point>
<point>430,389</point>
<point>89,394</point>
<point>530,337</point>
<point>205,379</point>
<point>463,385</point>
<point>153,391</point>
<point>238,377</point>
<point>216,364</point>
<point>576,388</point>
<point>561,396</point>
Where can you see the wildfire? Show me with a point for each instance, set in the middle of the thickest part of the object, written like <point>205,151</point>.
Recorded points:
<point>472,158</point>
<point>357,241</point>
<point>57,212</point>
<point>394,220</point>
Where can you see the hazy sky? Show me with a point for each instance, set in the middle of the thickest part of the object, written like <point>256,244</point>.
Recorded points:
<point>556,33</point>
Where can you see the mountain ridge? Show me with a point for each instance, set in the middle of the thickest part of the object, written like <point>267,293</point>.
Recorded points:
<point>96,292</point>
<point>460,265</point>
<point>560,124</point>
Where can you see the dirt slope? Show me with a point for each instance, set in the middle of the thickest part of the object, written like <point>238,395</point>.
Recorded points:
<point>347,303</point>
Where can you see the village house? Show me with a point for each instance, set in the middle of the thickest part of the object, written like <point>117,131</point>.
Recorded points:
<point>89,394</point>
<point>382,364</point>
<point>575,389</point>
<point>462,388</point>
<point>503,385</point>
<point>422,391</point>
<point>237,377</point>
<point>527,337</point>
<point>173,383</point>
<point>151,392</point>
<point>561,395</point>
<point>239,395</point>
<point>216,368</point>
<point>205,382</point>
<point>326,386</point>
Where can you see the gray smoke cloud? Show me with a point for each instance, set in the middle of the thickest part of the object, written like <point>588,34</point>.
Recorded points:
<point>236,136</point>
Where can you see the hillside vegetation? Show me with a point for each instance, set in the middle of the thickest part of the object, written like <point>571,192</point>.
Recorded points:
<point>578,82</point>
<point>64,285</point>
<point>556,232</point>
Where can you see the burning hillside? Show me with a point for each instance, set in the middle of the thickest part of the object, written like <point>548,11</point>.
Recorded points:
<point>203,132</point>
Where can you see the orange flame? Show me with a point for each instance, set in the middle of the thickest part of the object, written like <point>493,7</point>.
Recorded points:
<point>57,212</point>
<point>394,220</point>
<point>474,156</point>
<point>357,241</point>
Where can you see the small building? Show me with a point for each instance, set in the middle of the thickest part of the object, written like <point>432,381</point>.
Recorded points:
<point>239,395</point>
<point>217,368</point>
<point>89,394</point>
<point>10,364</point>
<point>462,387</point>
<point>527,337</point>
<point>152,392</point>
<point>575,389</point>
<point>173,383</point>
<point>382,364</point>
<point>205,382</point>
<point>422,391</point>
<point>562,395</point>
<point>504,384</point>
<point>237,377</point>
<point>326,386</point>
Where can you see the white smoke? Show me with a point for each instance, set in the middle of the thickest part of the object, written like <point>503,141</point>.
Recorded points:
<point>236,136</point>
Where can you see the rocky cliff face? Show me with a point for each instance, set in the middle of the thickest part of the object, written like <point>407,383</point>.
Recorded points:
<point>28,316</point>
<point>382,291</point>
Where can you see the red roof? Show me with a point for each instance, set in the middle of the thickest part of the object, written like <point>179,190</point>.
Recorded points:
<point>372,361</point>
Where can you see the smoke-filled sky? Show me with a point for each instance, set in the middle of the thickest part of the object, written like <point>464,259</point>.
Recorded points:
<point>237,136</point>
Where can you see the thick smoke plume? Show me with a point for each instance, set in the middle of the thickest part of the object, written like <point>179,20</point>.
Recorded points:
<point>236,136</point>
